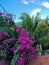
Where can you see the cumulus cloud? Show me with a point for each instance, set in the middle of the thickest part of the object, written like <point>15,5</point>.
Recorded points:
<point>34,12</point>
<point>45,4</point>
<point>27,1</point>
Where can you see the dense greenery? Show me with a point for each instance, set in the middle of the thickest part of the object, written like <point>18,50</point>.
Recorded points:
<point>7,27</point>
<point>37,27</point>
<point>25,50</point>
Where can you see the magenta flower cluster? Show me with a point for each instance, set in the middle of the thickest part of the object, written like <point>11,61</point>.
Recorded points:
<point>1,47</point>
<point>7,15</point>
<point>1,63</point>
<point>3,35</point>
<point>7,45</point>
<point>10,42</point>
<point>1,13</point>
<point>25,47</point>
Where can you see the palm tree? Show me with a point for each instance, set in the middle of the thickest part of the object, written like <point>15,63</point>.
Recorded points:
<point>36,27</point>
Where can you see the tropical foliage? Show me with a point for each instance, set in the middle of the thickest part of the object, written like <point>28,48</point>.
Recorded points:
<point>18,41</point>
<point>25,51</point>
<point>8,37</point>
<point>37,27</point>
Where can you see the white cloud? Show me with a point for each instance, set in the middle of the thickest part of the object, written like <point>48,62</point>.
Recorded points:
<point>45,4</point>
<point>27,1</point>
<point>34,12</point>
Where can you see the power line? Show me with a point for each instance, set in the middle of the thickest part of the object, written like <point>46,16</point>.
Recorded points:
<point>7,12</point>
<point>3,8</point>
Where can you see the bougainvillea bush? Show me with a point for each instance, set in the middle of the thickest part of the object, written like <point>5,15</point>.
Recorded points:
<point>8,37</point>
<point>25,51</point>
<point>7,46</point>
<point>15,44</point>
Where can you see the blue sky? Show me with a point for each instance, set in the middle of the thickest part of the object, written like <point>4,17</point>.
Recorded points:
<point>16,7</point>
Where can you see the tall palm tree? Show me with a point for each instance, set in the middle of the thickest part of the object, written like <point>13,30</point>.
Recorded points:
<point>36,27</point>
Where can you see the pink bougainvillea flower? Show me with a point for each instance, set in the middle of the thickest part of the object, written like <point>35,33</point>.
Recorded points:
<point>20,39</point>
<point>1,63</point>
<point>33,50</point>
<point>6,44</point>
<point>12,49</point>
<point>29,46</point>
<point>1,47</point>
<point>9,16</point>
<point>21,61</point>
<point>33,57</point>
<point>24,39</point>
<point>10,41</point>
<point>3,35</point>
<point>32,38</point>
<point>21,31</point>
<point>25,46</point>
<point>1,13</point>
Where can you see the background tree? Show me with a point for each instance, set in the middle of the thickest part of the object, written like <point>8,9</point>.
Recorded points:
<point>37,27</point>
